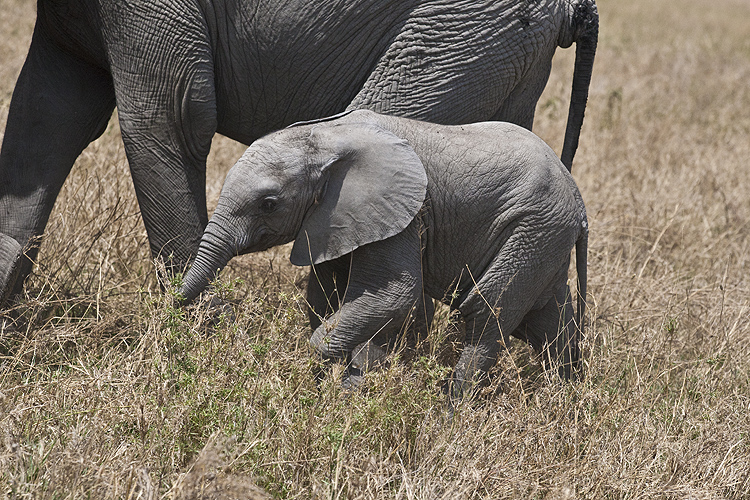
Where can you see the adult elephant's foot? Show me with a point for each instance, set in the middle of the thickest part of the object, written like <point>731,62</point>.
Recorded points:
<point>11,257</point>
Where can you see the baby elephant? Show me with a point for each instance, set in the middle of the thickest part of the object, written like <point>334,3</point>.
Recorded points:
<point>387,210</point>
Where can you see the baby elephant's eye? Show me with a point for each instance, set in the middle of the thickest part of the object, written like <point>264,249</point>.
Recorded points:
<point>268,204</point>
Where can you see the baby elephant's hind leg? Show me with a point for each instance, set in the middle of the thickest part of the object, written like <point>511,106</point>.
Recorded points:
<point>551,330</point>
<point>505,296</point>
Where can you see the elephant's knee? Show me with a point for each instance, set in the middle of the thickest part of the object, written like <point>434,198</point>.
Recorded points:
<point>326,344</point>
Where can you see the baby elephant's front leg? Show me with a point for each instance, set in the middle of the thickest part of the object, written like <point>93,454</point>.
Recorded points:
<point>366,356</point>
<point>384,284</point>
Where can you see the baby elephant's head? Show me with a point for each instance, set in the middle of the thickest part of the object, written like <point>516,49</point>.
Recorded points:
<point>331,187</point>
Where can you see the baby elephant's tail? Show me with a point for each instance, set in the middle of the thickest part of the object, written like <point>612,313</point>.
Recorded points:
<point>582,245</point>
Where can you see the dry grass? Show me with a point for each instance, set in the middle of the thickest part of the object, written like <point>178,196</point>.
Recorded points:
<point>109,391</point>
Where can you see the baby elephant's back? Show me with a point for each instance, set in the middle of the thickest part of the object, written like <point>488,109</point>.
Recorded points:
<point>496,169</point>
<point>485,181</point>
<point>489,156</point>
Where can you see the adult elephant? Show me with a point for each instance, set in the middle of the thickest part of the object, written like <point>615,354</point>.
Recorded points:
<point>179,71</point>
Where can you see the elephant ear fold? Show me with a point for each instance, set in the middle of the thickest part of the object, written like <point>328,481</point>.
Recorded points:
<point>376,185</point>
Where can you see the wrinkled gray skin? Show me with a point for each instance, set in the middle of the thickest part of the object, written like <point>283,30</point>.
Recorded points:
<point>482,217</point>
<point>179,71</point>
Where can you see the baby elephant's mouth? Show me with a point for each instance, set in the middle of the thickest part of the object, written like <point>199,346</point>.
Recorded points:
<point>261,239</point>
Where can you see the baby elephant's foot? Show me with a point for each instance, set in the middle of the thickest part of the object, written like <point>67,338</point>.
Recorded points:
<point>471,374</point>
<point>365,357</point>
<point>352,379</point>
<point>459,389</point>
<point>369,356</point>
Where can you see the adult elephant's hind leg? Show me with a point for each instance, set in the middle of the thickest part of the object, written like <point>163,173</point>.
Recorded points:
<point>520,104</point>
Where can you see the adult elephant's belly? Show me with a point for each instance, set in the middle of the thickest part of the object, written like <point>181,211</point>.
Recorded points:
<point>309,62</point>
<point>410,58</point>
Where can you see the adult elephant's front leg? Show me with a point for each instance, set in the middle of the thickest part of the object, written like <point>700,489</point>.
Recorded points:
<point>171,194</point>
<point>60,104</point>
<point>167,109</point>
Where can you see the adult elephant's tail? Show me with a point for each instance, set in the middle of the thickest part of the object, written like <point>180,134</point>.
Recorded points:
<point>586,23</point>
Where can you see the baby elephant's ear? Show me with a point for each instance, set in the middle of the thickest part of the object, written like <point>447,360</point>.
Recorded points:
<point>376,185</point>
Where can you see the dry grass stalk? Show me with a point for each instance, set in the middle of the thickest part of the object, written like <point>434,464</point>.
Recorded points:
<point>207,481</point>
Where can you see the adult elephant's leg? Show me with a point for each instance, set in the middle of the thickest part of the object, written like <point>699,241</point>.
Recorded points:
<point>60,104</point>
<point>520,104</point>
<point>164,82</point>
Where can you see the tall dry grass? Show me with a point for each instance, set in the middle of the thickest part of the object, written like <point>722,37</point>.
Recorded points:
<point>109,391</point>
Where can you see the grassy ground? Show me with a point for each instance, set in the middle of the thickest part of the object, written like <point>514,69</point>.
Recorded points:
<point>109,391</point>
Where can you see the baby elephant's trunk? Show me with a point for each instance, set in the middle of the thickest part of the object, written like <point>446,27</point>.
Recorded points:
<point>215,250</point>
